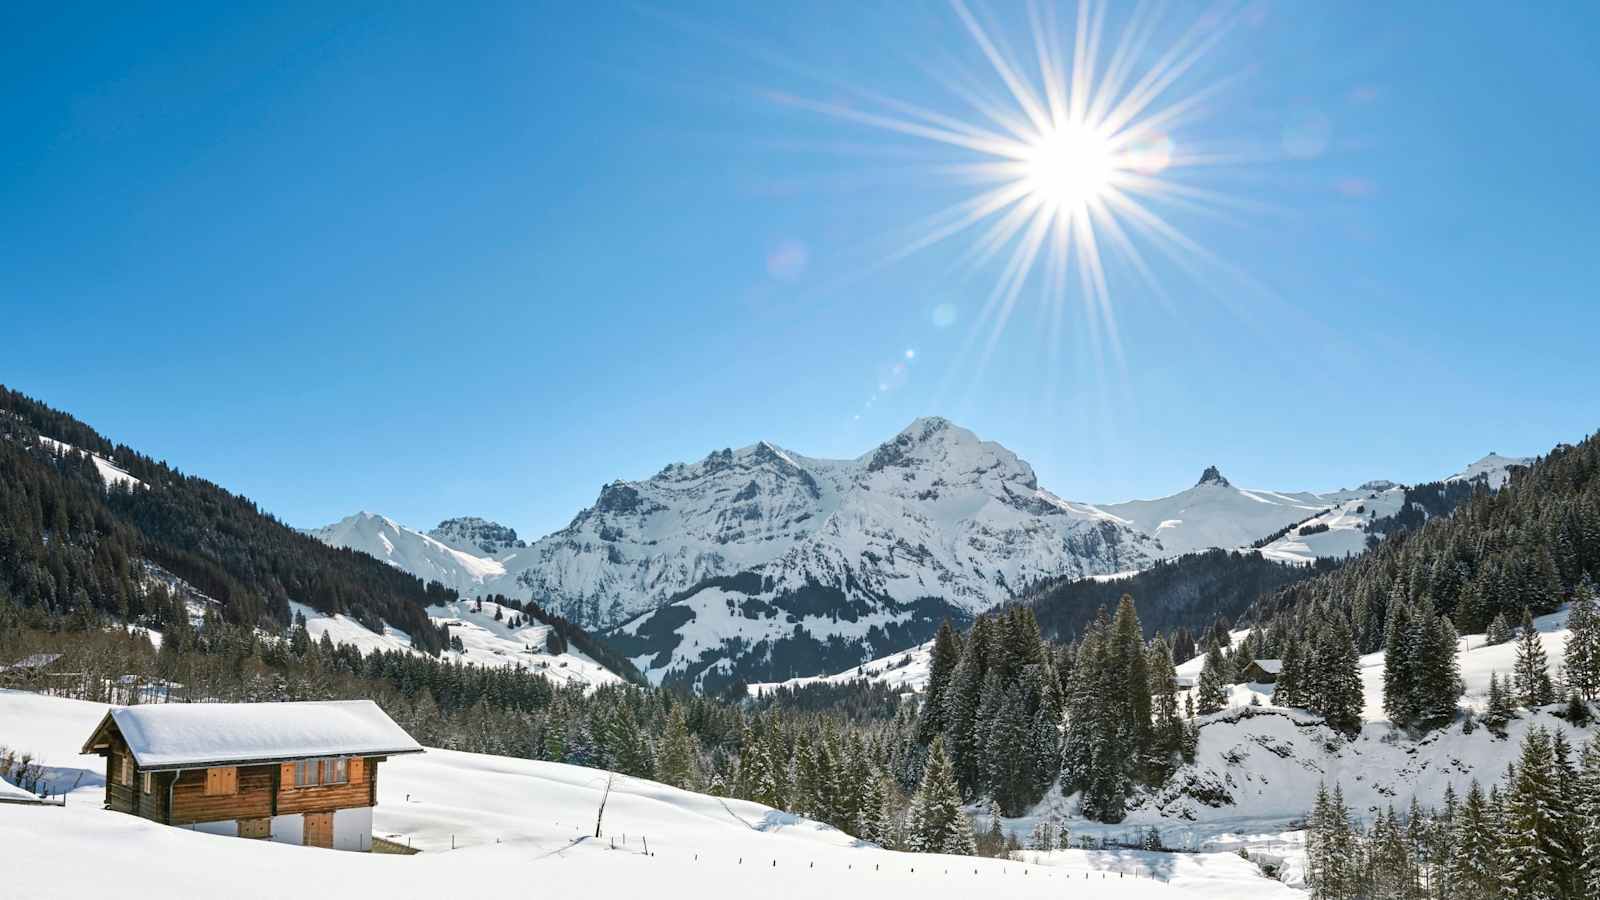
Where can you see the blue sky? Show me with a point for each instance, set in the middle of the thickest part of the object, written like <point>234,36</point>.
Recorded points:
<point>436,262</point>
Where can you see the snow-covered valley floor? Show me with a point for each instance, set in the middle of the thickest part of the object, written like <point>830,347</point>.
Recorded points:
<point>522,827</point>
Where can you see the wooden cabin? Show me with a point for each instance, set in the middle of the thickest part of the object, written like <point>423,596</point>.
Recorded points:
<point>296,773</point>
<point>1263,671</point>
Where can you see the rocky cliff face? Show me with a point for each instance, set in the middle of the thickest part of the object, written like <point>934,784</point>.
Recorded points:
<point>477,536</point>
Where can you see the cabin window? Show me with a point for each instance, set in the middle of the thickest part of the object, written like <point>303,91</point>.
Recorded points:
<point>149,782</point>
<point>312,772</point>
<point>125,770</point>
<point>222,780</point>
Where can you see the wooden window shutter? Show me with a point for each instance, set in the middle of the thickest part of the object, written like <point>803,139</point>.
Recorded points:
<point>125,771</point>
<point>222,780</point>
<point>357,770</point>
<point>286,775</point>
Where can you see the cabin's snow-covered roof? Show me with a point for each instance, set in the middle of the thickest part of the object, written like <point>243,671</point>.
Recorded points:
<point>169,735</point>
<point>1270,666</point>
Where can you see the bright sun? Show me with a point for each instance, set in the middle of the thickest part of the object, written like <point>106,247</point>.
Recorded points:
<point>1070,167</point>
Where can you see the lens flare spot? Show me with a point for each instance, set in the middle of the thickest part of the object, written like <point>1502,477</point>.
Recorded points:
<point>944,315</point>
<point>1150,156</point>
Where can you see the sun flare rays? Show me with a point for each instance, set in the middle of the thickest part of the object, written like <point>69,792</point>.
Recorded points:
<point>1072,160</point>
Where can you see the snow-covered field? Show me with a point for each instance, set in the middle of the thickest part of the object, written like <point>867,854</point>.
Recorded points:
<point>487,641</point>
<point>521,827</point>
<point>110,472</point>
<point>903,671</point>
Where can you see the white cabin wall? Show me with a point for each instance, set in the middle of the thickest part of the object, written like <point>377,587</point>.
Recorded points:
<point>289,829</point>
<point>352,829</point>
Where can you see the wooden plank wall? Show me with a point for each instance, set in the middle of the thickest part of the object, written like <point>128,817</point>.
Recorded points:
<point>262,791</point>
<point>191,803</point>
<point>358,791</point>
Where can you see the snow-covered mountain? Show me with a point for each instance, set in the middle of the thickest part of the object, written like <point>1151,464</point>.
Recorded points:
<point>1494,470</point>
<point>479,537</point>
<point>762,564</point>
<point>1215,513</point>
<point>791,564</point>
<point>405,548</point>
<point>867,557</point>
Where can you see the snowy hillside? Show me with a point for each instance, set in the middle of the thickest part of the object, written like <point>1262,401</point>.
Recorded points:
<point>1257,768</point>
<point>110,472</point>
<point>1338,532</point>
<point>406,548</point>
<point>1493,470</point>
<point>1215,513</point>
<point>519,826</point>
<point>487,641</point>
<point>906,670</point>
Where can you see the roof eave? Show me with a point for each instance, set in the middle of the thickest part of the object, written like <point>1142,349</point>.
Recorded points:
<point>265,760</point>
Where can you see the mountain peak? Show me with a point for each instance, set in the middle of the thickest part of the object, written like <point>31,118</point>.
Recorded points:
<point>1213,475</point>
<point>924,427</point>
<point>476,535</point>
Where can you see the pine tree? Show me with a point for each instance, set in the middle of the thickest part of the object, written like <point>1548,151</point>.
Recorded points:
<point>1531,674</point>
<point>937,823</point>
<point>1213,686</point>
<point>1167,738</point>
<point>1126,658</point>
<point>676,765</point>
<point>1471,869</point>
<point>1437,673</point>
<point>1587,819</point>
<point>1400,653</point>
<point>1583,641</point>
<point>1340,665</point>
<point>1287,691</point>
<point>962,700</point>
<point>1533,852</point>
<point>870,813</point>
<point>1501,710</point>
<point>942,660</point>
<point>1499,630</point>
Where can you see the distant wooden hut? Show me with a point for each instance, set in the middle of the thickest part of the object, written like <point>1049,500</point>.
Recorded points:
<point>27,669</point>
<point>1263,671</point>
<point>297,773</point>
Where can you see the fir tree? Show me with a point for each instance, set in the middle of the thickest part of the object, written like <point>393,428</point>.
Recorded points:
<point>1126,659</point>
<point>937,823</point>
<point>1213,686</point>
<point>1587,819</point>
<point>962,700</point>
<point>1501,710</point>
<point>1340,669</point>
<point>1400,651</point>
<point>942,661</point>
<point>1499,630</point>
<point>1531,674</point>
<point>1287,691</point>
<point>1437,672</point>
<point>1167,737</point>
<point>676,765</point>
<point>1583,641</point>
<point>1533,852</point>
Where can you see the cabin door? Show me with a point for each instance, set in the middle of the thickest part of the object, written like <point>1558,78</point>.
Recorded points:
<point>319,830</point>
